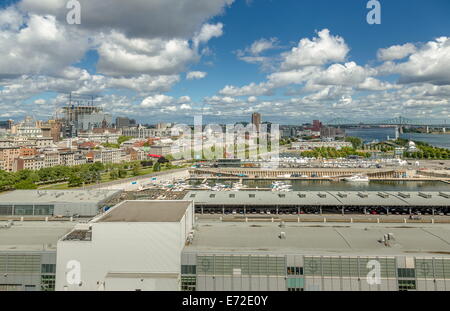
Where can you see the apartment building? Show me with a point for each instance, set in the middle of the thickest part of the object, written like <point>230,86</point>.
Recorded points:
<point>111,155</point>
<point>33,163</point>
<point>7,156</point>
<point>51,159</point>
<point>67,158</point>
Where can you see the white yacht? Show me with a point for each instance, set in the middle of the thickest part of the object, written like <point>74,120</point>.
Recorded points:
<point>357,178</point>
<point>281,186</point>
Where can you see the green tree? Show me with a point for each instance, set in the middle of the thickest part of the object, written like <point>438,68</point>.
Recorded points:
<point>113,174</point>
<point>136,170</point>
<point>25,185</point>
<point>122,172</point>
<point>157,167</point>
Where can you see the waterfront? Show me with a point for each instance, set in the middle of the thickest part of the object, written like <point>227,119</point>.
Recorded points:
<point>382,134</point>
<point>325,185</point>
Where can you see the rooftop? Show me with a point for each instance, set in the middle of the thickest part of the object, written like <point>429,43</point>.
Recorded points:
<point>32,236</point>
<point>323,239</point>
<point>146,211</point>
<point>55,196</point>
<point>324,198</point>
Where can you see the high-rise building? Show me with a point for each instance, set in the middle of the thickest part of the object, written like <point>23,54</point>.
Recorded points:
<point>122,122</point>
<point>7,124</point>
<point>256,120</point>
<point>81,114</point>
<point>317,125</point>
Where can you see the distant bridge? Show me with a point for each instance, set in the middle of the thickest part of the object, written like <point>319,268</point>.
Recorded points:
<point>398,121</point>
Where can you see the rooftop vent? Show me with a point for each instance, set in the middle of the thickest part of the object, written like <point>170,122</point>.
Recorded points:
<point>404,195</point>
<point>232,195</point>
<point>281,195</point>
<point>383,195</point>
<point>445,195</point>
<point>322,195</point>
<point>212,195</point>
<point>252,195</point>
<point>425,195</point>
<point>282,235</point>
<point>363,195</point>
<point>342,195</point>
<point>302,195</point>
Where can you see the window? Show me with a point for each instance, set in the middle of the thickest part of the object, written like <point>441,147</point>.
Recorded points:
<point>48,268</point>
<point>43,210</point>
<point>6,210</point>
<point>406,273</point>
<point>405,285</point>
<point>188,269</point>
<point>188,283</point>
<point>23,210</point>
<point>47,283</point>
<point>294,270</point>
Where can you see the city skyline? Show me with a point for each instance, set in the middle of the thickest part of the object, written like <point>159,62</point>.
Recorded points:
<point>295,62</point>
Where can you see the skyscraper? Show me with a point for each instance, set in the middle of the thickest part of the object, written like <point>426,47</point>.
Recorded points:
<point>256,120</point>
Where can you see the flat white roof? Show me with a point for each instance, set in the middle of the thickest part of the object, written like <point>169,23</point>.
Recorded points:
<point>55,196</point>
<point>146,211</point>
<point>321,239</point>
<point>33,236</point>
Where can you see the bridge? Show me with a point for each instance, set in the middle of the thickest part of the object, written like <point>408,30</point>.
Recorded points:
<point>398,121</point>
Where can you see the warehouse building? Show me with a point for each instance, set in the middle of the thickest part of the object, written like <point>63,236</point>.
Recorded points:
<point>28,254</point>
<point>156,245</point>
<point>318,202</point>
<point>83,203</point>
<point>135,245</point>
<point>299,257</point>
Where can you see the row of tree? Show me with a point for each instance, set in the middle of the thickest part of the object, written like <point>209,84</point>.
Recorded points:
<point>76,175</point>
<point>332,153</point>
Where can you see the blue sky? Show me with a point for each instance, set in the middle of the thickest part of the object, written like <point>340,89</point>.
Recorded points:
<point>317,59</point>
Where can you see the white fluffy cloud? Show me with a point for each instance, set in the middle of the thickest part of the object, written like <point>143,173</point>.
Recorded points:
<point>429,64</point>
<point>195,75</point>
<point>319,51</point>
<point>208,32</point>
<point>137,18</point>
<point>143,46</point>
<point>42,46</point>
<point>396,52</point>
<point>156,101</point>
<point>165,103</point>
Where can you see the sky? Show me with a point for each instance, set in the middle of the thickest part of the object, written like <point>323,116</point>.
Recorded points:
<point>169,60</point>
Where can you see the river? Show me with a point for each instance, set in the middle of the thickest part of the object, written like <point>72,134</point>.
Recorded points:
<point>382,134</point>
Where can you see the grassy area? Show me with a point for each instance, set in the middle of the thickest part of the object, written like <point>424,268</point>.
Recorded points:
<point>105,177</point>
<point>63,186</point>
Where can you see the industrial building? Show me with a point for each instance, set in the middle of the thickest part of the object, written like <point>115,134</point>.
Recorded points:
<point>28,254</point>
<point>318,202</point>
<point>232,256</point>
<point>136,245</point>
<point>82,203</point>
